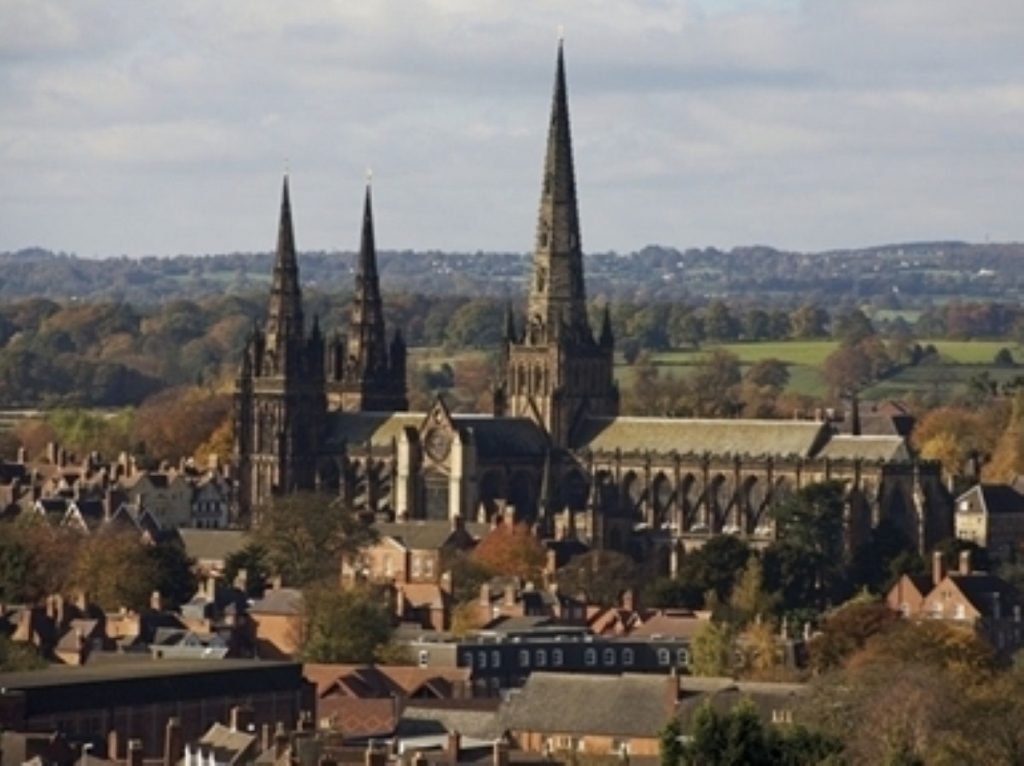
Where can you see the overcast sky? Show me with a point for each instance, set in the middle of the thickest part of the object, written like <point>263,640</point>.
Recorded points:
<point>163,127</point>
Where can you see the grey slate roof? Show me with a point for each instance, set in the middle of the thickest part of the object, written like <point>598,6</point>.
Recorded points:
<point>754,438</point>
<point>504,437</point>
<point>573,703</point>
<point>377,428</point>
<point>420,534</point>
<point>212,544</point>
<point>845,446</point>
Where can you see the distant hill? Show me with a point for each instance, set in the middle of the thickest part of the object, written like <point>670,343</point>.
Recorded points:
<point>906,275</point>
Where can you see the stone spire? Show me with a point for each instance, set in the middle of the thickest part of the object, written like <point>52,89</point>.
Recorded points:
<point>557,301</point>
<point>284,315</point>
<point>367,343</point>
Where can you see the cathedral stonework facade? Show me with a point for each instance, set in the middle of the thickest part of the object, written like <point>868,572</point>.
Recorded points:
<point>333,415</point>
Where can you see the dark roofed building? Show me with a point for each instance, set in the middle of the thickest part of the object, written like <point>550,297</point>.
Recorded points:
<point>137,697</point>
<point>992,515</point>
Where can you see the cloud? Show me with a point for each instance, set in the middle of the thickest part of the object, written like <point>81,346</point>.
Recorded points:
<point>803,124</point>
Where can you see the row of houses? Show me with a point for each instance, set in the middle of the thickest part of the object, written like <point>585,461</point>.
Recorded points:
<point>88,493</point>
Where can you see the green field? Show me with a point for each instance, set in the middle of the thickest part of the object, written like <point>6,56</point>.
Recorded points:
<point>958,363</point>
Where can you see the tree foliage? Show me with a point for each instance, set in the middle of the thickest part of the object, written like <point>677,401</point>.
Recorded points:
<point>512,549</point>
<point>349,625</point>
<point>307,535</point>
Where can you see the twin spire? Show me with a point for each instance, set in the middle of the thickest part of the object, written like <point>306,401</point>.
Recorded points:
<point>285,320</point>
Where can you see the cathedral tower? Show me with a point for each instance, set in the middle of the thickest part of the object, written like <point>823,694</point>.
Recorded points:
<point>365,372</point>
<point>554,370</point>
<point>279,398</point>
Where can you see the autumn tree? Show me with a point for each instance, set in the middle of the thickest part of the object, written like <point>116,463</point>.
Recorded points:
<point>174,423</point>
<point>307,535</point>
<point>513,550</point>
<point>846,630</point>
<point>115,571</point>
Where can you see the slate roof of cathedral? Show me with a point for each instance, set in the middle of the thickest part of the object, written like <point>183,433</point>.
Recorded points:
<point>754,438</point>
<point>504,437</point>
<point>849,447</point>
<point>493,436</point>
<point>377,428</point>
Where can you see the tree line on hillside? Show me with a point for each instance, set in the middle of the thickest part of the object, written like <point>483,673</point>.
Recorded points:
<point>117,354</point>
<point>912,275</point>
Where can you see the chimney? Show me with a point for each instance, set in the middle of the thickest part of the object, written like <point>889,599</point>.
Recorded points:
<point>211,587</point>
<point>264,737</point>
<point>510,595</point>
<point>628,600</point>
<point>446,581</point>
<point>938,570</point>
<point>375,756</point>
<point>275,582</point>
<point>22,455</point>
<point>134,752</point>
<point>280,741</point>
<point>499,753</point>
<point>551,563</point>
<point>451,748</point>
<point>485,594</point>
<point>156,602</point>
<point>965,562</point>
<point>113,753</point>
<point>173,744</point>
<point>241,718</point>
<point>456,522</point>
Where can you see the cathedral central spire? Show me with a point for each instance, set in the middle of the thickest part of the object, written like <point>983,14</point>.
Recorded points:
<point>553,370</point>
<point>367,349</point>
<point>284,315</point>
<point>557,299</point>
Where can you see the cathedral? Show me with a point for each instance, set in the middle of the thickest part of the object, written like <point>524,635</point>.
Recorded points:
<point>312,413</point>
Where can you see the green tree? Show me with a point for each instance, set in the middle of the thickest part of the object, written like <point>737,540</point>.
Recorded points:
<point>670,745</point>
<point>306,536</point>
<point>602,575</point>
<point>719,323</point>
<point>711,653</point>
<point>807,563</point>
<point>344,625</point>
<point>254,560</point>
<point>173,572</point>
<point>809,322</point>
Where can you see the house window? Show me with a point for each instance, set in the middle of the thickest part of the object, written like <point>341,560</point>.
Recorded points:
<point>467,659</point>
<point>960,612</point>
<point>495,658</point>
<point>682,657</point>
<point>542,658</point>
<point>620,747</point>
<point>590,657</point>
<point>524,658</point>
<point>627,656</point>
<point>609,656</point>
<point>556,657</point>
<point>664,657</point>
<point>481,659</point>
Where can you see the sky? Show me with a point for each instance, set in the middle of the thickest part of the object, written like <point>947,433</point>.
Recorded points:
<point>164,127</point>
